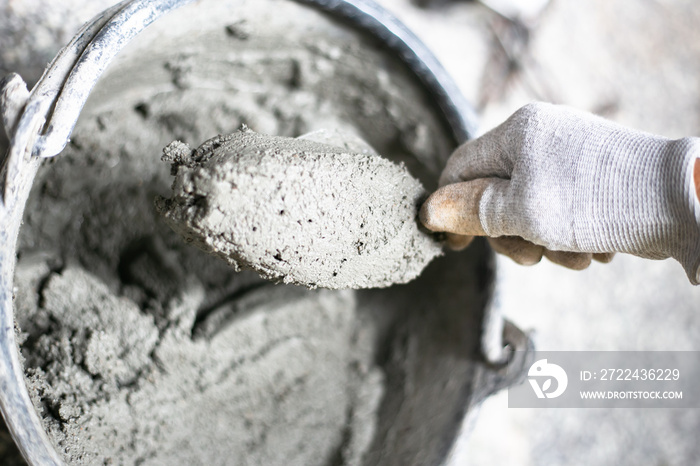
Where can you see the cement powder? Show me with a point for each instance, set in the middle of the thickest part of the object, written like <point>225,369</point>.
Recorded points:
<point>140,349</point>
<point>299,211</point>
<point>115,388</point>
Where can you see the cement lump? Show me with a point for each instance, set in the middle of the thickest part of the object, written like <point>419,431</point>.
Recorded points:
<point>299,211</point>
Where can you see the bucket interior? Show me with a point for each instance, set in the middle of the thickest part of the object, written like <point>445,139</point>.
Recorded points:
<point>141,349</point>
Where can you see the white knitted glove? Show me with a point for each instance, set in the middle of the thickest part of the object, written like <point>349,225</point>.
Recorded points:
<point>570,181</point>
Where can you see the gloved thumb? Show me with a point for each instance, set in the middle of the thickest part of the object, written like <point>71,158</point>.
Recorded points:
<point>455,208</point>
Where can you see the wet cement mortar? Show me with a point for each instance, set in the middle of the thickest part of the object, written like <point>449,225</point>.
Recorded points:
<point>141,349</point>
<point>299,211</point>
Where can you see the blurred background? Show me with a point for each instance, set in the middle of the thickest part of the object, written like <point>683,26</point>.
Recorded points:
<point>635,62</point>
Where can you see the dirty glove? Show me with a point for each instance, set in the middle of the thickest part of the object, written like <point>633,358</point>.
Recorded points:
<point>562,183</point>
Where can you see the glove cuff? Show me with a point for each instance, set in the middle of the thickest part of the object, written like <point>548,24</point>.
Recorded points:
<point>646,202</point>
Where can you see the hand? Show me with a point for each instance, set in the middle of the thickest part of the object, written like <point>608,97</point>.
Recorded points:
<point>556,182</point>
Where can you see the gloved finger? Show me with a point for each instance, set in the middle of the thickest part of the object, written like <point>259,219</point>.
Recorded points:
<point>570,260</point>
<point>604,257</point>
<point>520,250</point>
<point>455,208</point>
<point>484,157</point>
<point>458,242</point>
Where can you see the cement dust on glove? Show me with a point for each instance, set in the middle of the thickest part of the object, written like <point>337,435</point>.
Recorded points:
<point>299,211</point>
